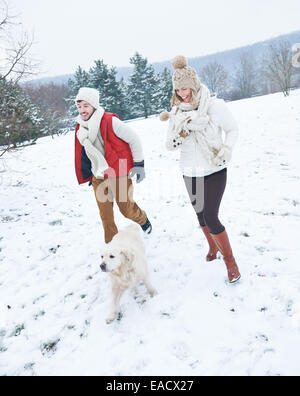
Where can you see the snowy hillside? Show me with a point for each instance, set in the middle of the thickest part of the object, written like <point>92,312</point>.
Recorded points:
<point>54,299</point>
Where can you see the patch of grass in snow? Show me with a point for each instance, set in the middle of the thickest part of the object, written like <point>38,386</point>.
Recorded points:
<point>245,234</point>
<point>18,330</point>
<point>29,366</point>
<point>269,214</point>
<point>194,364</point>
<point>8,219</point>
<point>2,349</point>
<point>55,223</point>
<point>38,299</point>
<point>84,332</point>
<point>260,249</point>
<point>18,184</point>
<point>262,337</point>
<point>71,327</point>
<point>49,348</point>
<point>166,315</point>
<point>289,308</point>
<point>54,250</point>
<point>263,309</point>
<point>38,315</point>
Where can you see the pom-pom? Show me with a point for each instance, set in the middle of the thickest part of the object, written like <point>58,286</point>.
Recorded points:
<point>179,62</point>
<point>164,116</point>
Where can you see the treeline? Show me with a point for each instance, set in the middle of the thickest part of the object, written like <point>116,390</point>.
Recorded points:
<point>276,71</point>
<point>28,112</point>
<point>146,93</point>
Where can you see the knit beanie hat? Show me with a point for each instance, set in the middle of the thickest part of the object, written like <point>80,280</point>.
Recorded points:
<point>184,76</point>
<point>89,95</point>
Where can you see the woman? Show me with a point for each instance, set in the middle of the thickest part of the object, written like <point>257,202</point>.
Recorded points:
<point>196,122</point>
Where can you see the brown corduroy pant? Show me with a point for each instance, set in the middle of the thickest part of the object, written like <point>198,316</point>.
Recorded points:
<point>119,189</point>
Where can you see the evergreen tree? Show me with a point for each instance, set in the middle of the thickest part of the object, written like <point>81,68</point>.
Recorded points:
<point>20,120</point>
<point>124,101</point>
<point>142,88</point>
<point>112,96</point>
<point>98,77</point>
<point>81,79</point>
<point>165,90</point>
<point>152,91</point>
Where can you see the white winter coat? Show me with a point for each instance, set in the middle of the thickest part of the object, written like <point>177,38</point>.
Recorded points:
<point>192,160</point>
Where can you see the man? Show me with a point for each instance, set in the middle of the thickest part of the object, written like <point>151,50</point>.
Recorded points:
<point>108,154</point>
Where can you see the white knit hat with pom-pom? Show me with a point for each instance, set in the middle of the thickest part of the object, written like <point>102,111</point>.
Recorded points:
<point>184,76</point>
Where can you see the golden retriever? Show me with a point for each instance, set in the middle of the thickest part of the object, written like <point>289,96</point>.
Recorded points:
<point>125,260</point>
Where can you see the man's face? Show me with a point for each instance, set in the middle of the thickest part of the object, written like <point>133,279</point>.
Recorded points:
<point>85,110</point>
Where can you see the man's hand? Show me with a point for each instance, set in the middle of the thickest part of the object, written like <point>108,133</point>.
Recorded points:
<point>138,170</point>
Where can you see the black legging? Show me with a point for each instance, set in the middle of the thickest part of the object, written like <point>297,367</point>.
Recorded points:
<point>206,195</point>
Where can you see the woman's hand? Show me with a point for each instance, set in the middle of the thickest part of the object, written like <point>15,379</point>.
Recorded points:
<point>183,134</point>
<point>224,156</point>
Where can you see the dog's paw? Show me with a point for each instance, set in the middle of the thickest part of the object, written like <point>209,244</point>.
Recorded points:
<point>111,318</point>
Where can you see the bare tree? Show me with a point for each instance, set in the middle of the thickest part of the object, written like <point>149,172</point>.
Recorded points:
<point>244,80</point>
<point>278,67</point>
<point>49,97</point>
<point>4,17</point>
<point>15,47</point>
<point>20,121</point>
<point>215,77</point>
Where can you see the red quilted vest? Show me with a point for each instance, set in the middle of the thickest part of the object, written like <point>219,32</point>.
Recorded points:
<point>117,153</point>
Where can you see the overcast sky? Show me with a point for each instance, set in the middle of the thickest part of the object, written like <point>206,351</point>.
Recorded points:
<point>77,32</point>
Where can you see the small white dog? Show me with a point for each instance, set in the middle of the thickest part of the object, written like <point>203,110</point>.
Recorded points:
<point>125,260</point>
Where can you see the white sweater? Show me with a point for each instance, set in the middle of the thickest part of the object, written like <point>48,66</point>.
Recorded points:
<point>192,161</point>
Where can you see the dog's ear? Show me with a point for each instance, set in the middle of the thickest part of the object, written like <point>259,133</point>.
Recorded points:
<point>128,257</point>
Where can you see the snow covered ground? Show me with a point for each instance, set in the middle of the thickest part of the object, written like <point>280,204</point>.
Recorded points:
<point>54,299</point>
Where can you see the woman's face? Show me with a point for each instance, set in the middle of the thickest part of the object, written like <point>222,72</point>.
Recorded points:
<point>185,94</point>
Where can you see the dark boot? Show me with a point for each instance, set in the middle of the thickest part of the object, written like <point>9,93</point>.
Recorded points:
<point>147,227</point>
<point>213,249</point>
<point>223,244</point>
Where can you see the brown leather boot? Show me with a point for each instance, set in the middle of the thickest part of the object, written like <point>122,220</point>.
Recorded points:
<point>213,249</point>
<point>223,244</point>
